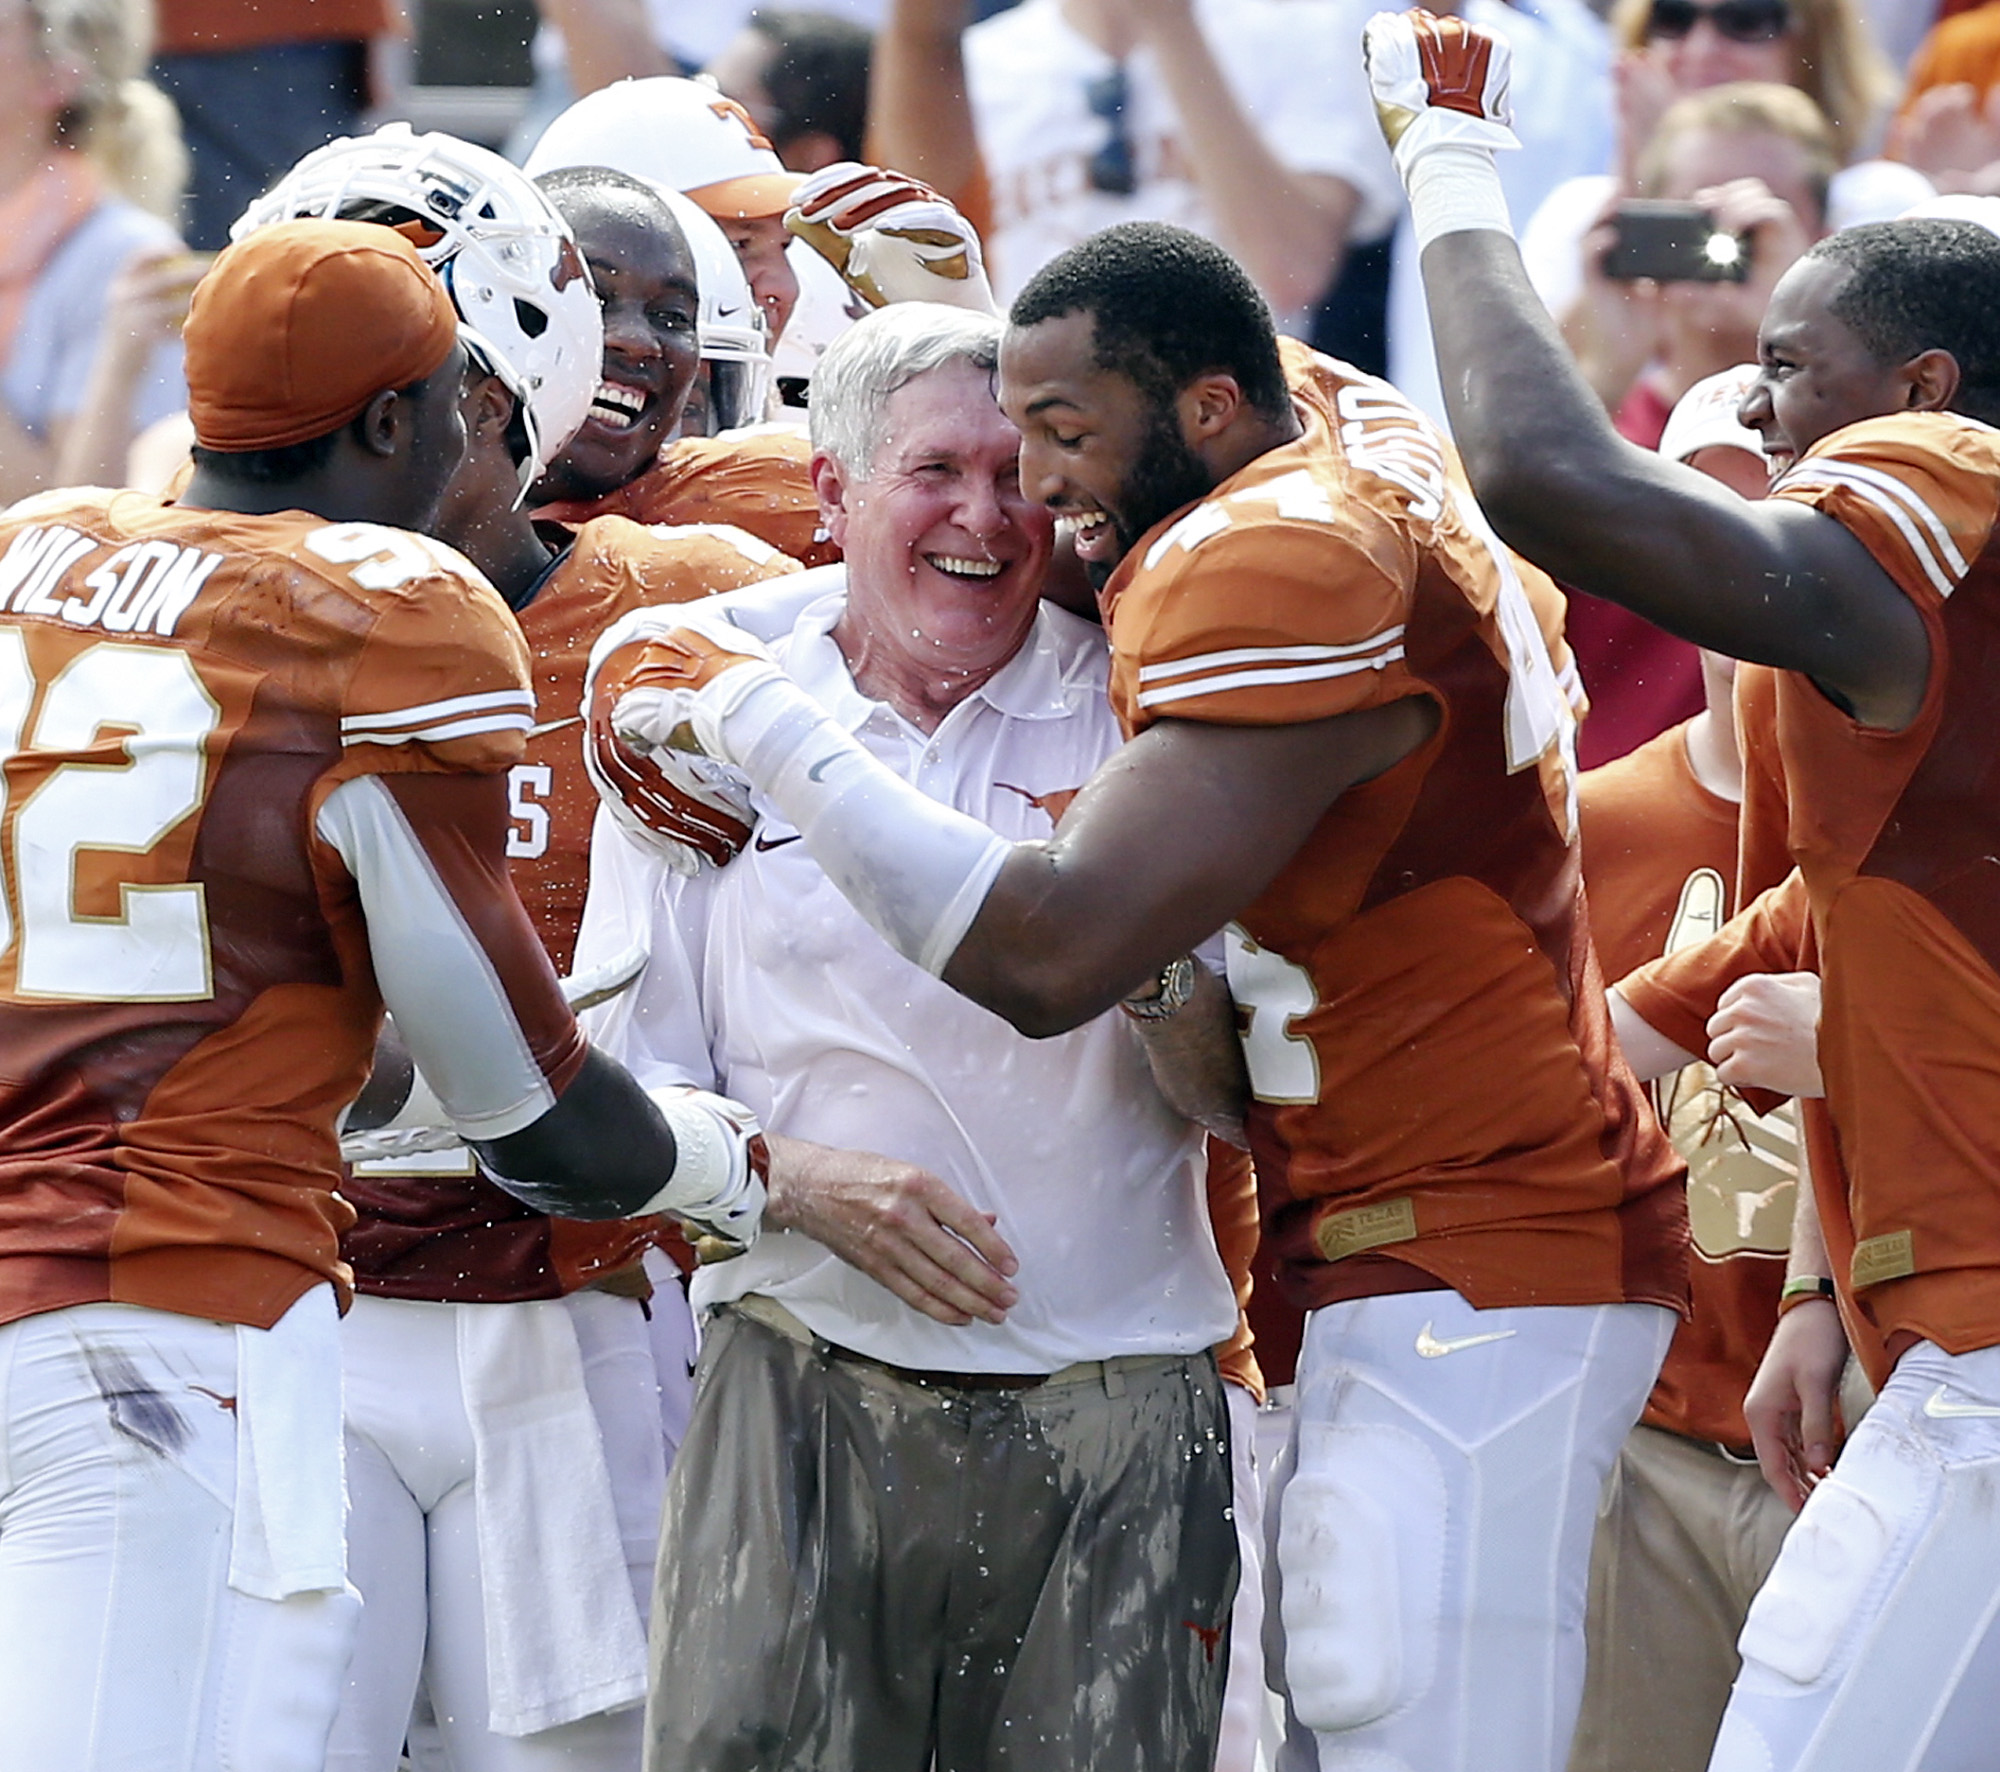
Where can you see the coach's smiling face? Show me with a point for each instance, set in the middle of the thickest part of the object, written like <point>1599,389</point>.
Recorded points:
<point>945,554</point>
<point>1096,447</point>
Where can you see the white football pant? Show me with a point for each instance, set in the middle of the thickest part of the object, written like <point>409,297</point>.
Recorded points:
<point>1434,1525</point>
<point>123,1647</point>
<point>1873,1645</point>
<point>413,1546</point>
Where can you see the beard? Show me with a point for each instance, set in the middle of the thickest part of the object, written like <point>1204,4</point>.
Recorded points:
<point>1166,476</point>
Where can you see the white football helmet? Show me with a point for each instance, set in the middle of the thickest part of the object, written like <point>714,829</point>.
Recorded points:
<point>735,344</point>
<point>524,298</point>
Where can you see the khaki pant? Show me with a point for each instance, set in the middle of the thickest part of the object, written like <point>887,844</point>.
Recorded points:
<point>859,1573</point>
<point>1685,1538</point>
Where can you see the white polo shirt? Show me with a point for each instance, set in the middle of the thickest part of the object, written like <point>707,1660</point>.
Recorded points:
<point>766,985</point>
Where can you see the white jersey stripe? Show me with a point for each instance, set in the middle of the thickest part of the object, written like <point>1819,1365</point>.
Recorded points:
<point>434,710</point>
<point>1206,661</point>
<point>1921,549</point>
<point>449,729</point>
<point>1857,473</point>
<point>1153,698</point>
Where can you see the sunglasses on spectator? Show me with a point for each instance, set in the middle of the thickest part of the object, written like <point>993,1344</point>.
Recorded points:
<point>1110,168</point>
<point>1741,21</point>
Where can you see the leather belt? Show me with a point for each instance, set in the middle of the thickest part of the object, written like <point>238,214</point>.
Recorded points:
<point>773,1315</point>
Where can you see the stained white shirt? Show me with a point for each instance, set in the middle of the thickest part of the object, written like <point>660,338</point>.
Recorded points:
<point>1294,66</point>
<point>766,985</point>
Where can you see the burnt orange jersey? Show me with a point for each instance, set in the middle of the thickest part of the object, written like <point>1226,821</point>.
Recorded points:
<point>1659,859</point>
<point>187,999</point>
<point>430,1226</point>
<point>1438,1098</point>
<point>759,479</point>
<point>1894,835</point>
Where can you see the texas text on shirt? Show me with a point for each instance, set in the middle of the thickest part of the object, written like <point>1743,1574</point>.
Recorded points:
<point>222,723</point>
<point>1439,1099</point>
<point>430,1226</point>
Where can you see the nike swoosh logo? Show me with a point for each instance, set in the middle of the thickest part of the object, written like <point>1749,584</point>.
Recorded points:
<point>765,843</point>
<point>818,771</point>
<point>1938,1406</point>
<point>554,725</point>
<point>1431,1348</point>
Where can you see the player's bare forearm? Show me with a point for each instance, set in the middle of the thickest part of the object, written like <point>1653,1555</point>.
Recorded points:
<point>1773,582</point>
<point>606,40</point>
<point>1172,838</point>
<point>919,117</point>
<point>1197,1059</point>
<point>1648,1051</point>
<point>1289,228</point>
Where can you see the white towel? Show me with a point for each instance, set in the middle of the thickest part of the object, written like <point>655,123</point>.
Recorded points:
<point>564,1638</point>
<point>289,1534</point>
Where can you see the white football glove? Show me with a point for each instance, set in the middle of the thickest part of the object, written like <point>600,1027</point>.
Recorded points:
<point>1437,81</point>
<point>720,1162</point>
<point>891,237</point>
<point>663,784</point>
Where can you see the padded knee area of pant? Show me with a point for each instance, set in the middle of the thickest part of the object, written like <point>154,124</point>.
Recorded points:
<point>1830,1557</point>
<point>1350,1583</point>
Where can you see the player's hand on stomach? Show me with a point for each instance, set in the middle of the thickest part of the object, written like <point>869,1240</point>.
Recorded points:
<point>1764,1034</point>
<point>721,1159</point>
<point>644,747</point>
<point>891,237</point>
<point>899,1225</point>
<point>1793,1403</point>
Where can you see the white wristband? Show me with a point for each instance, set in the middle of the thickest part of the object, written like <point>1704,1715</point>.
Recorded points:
<point>916,869</point>
<point>1455,189</point>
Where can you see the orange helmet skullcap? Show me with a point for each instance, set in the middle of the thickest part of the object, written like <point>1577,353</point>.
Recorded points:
<point>298,326</point>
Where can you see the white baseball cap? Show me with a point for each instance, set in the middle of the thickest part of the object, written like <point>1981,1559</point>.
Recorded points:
<point>679,133</point>
<point>1706,417</point>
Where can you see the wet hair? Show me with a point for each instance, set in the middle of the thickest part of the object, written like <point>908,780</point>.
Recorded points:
<point>1924,285</point>
<point>1165,306</point>
<point>818,79</point>
<point>880,353</point>
<point>591,181</point>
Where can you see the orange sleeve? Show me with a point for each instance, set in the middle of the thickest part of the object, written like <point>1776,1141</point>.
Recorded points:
<point>1919,490</point>
<point>1763,850</point>
<point>1267,623</point>
<point>1677,993</point>
<point>1234,1218</point>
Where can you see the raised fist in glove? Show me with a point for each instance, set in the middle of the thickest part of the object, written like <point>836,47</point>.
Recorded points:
<point>663,784</point>
<point>720,1162</point>
<point>891,237</point>
<point>1437,81</point>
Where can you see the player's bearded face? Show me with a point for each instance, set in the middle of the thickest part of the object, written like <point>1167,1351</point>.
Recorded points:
<point>1096,447</point>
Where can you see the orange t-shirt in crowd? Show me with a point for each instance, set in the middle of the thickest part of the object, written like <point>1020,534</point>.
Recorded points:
<point>1438,1101</point>
<point>1659,861</point>
<point>187,995</point>
<point>1962,50</point>
<point>758,478</point>
<point>430,1226</point>
<point>1894,835</point>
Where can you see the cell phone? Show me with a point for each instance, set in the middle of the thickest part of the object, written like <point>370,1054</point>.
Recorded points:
<point>1674,243</point>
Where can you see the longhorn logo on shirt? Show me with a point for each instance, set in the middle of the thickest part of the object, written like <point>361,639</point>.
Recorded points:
<point>1054,803</point>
